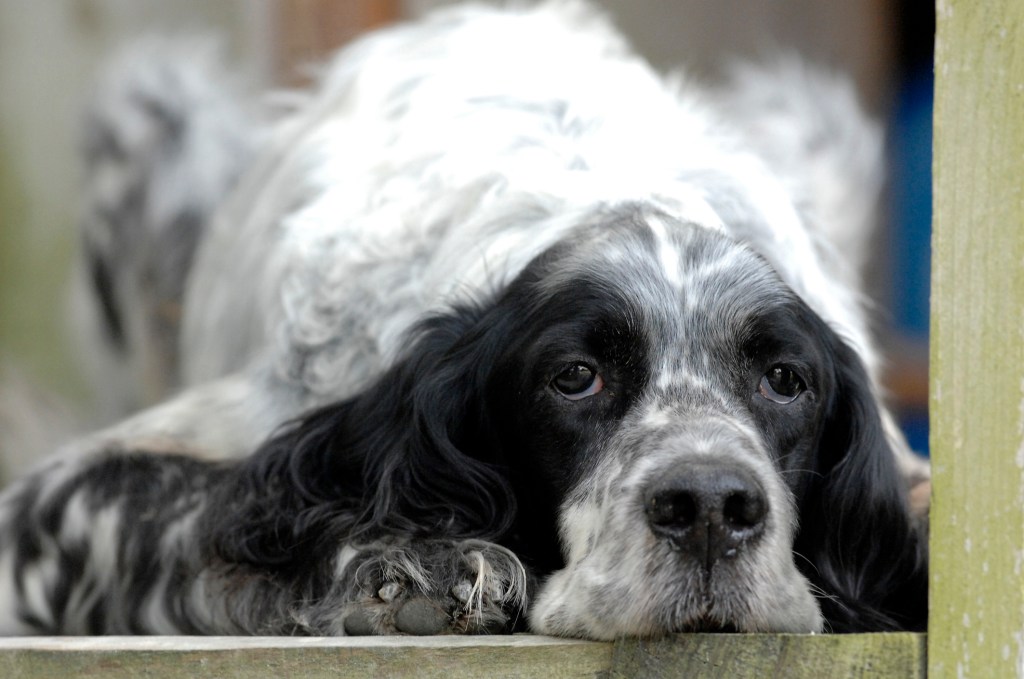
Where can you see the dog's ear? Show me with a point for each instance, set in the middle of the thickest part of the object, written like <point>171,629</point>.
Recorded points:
<point>391,460</point>
<point>856,529</point>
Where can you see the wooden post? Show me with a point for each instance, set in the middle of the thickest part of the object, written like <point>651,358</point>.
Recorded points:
<point>976,628</point>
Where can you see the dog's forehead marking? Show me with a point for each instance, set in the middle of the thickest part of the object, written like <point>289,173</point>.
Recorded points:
<point>675,372</point>
<point>689,210</point>
<point>707,286</point>
<point>667,252</point>
<point>700,266</point>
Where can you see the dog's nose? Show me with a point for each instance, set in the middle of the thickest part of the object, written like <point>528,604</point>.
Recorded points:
<point>707,510</point>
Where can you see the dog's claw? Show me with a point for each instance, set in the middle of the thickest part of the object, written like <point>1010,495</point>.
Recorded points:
<point>463,591</point>
<point>389,591</point>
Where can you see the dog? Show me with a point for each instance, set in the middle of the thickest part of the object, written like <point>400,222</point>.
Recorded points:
<point>495,329</point>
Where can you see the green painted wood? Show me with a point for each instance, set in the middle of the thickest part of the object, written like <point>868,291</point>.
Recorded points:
<point>976,625</point>
<point>766,656</point>
<point>272,658</point>
<point>690,655</point>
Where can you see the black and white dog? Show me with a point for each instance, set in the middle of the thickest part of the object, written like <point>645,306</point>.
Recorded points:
<point>497,329</point>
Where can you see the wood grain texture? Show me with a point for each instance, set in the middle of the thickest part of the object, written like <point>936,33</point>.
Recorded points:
<point>976,627</point>
<point>762,656</point>
<point>256,658</point>
<point>767,656</point>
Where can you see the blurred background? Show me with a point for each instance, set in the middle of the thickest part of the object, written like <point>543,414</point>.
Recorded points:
<point>50,52</point>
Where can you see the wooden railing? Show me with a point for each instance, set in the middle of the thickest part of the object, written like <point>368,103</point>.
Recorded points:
<point>695,656</point>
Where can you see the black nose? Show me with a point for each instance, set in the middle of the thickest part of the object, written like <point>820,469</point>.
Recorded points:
<point>707,510</point>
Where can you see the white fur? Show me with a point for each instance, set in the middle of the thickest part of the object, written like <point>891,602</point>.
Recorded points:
<point>432,164</point>
<point>386,195</point>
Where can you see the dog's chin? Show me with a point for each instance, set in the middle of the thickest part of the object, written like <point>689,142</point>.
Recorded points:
<point>580,607</point>
<point>715,622</point>
<point>708,626</point>
<point>708,618</point>
<point>718,606</point>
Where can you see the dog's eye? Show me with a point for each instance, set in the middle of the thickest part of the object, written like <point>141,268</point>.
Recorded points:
<point>578,381</point>
<point>781,384</point>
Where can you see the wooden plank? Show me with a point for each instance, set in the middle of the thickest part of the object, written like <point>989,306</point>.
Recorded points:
<point>976,627</point>
<point>691,655</point>
<point>310,658</point>
<point>763,656</point>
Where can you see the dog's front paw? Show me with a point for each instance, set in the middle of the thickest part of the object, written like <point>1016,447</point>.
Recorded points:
<point>436,587</point>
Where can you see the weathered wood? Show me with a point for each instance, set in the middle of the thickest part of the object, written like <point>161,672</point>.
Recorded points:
<point>691,655</point>
<point>254,658</point>
<point>976,628</point>
<point>764,656</point>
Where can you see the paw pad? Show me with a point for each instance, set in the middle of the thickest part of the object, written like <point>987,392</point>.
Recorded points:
<point>421,616</point>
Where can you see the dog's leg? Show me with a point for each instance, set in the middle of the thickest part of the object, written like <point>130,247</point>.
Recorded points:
<point>118,543</point>
<point>108,542</point>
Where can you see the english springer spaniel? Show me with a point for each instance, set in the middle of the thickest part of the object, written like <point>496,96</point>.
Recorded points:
<point>496,329</point>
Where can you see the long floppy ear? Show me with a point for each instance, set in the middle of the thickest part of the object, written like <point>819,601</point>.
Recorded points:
<point>856,529</point>
<point>390,460</point>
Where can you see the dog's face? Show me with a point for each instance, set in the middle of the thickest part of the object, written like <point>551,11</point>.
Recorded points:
<point>662,403</point>
<point>659,428</point>
<point>669,406</point>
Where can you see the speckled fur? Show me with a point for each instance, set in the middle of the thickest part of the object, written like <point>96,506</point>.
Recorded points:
<point>377,308</point>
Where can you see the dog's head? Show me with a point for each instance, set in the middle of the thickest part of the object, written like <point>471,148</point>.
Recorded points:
<point>652,420</point>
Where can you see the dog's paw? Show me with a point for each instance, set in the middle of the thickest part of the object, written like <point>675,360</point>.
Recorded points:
<point>436,587</point>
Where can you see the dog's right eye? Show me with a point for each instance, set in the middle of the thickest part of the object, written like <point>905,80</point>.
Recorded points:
<point>577,382</point>
<point>781,384</point>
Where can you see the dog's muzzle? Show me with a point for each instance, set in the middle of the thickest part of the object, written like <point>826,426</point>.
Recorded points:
<point>707,510</point>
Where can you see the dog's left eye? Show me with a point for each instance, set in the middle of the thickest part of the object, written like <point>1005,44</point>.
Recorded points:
<point>577,382</point>
<point>781,384</point>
